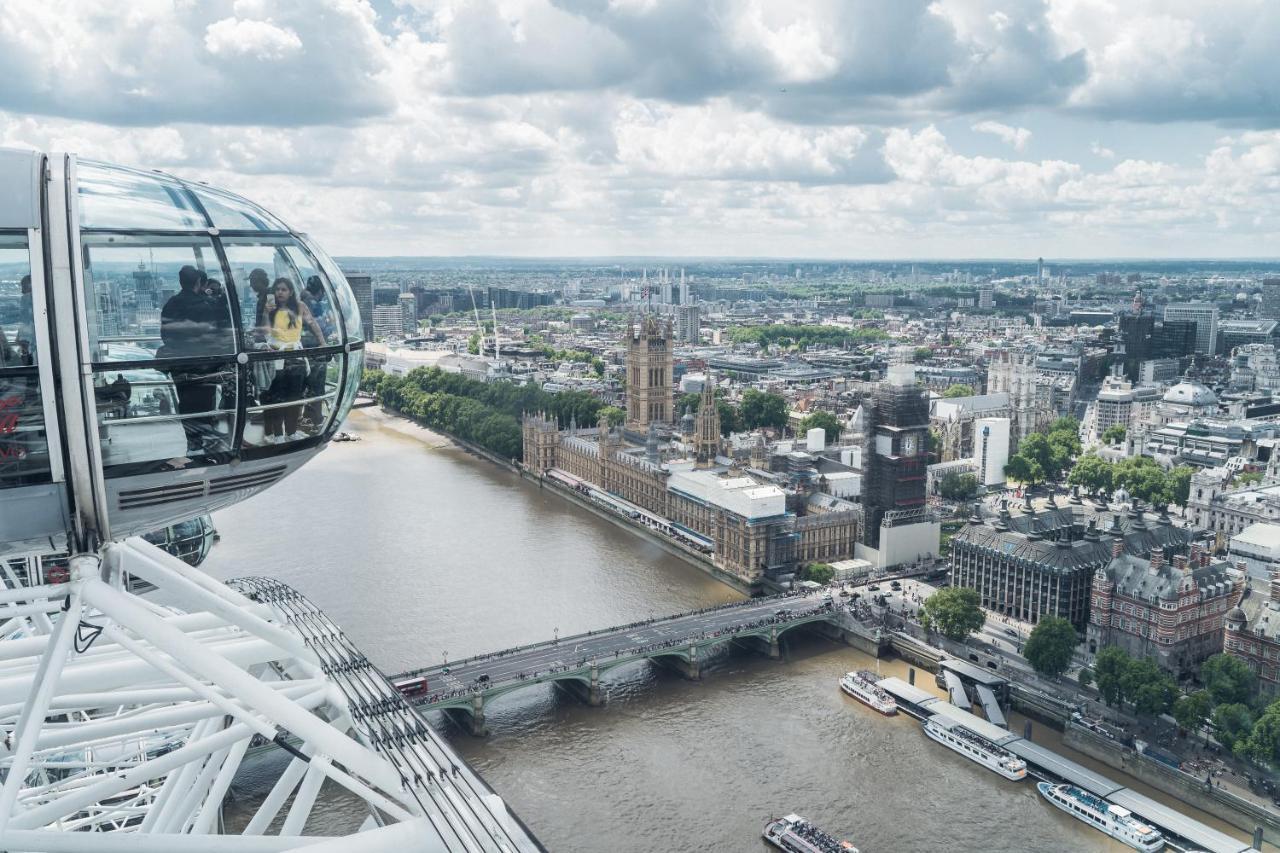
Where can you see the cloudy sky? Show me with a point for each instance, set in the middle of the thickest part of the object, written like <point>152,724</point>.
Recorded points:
<point>833,128</point>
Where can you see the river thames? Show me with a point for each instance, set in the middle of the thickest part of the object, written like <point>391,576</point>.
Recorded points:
<point>419,550</point>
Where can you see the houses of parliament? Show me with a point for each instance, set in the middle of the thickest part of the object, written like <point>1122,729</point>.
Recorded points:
<point>760,524</point>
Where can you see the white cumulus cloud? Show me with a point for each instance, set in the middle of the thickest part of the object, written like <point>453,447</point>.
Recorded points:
<point>233,37</point>
<point>1018,137</point>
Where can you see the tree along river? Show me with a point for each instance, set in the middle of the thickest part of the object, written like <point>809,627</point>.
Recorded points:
<point>419,550</point>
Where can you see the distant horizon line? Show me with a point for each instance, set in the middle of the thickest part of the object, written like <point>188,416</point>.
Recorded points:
<point>832,260</point>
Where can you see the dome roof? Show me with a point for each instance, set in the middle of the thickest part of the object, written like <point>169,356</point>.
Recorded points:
<point>1235,614</point>
<point>1190,394</point>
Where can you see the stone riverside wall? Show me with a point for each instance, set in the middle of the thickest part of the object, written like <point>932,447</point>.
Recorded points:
<point>1236,811</point>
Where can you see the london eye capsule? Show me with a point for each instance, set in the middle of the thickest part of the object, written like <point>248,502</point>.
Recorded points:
<point>166,349</point>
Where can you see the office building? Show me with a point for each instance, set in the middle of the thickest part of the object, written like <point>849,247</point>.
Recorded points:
<point>408,314</point>
<point>1204,315</point>
<point>388,322</point>
<point>1120,403</point>
<point>688,324</point>
<point>1269,308</point>
<point>986,298</point>
<point>1039,563</point>
<point>362,289</point>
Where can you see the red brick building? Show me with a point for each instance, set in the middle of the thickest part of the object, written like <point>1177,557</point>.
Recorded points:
<point>1168,607</point>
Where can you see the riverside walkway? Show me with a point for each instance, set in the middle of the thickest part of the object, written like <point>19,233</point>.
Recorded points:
<point>577,662</point>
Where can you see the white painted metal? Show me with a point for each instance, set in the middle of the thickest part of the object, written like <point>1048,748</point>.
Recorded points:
<point>133,719</point>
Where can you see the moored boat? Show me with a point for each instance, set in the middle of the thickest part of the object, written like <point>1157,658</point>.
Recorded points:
<point>975,747</point>
<point>861,685</point>
<point>796,835</point>
<point>1115,821</point>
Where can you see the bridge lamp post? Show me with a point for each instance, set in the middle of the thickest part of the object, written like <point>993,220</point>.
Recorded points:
<point>556,631</point>
<point>445,655</point>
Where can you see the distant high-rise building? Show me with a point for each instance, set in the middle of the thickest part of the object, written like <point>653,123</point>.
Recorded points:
<point>408,314</point>
<point>362,288</point>
<point>1040,270</point>
<point>1270,307</point>
<point>388,322</point>
<point>986,297</point>
<point>650,373</point>
<point>386,295</point>
<point>688,324</point>
<point>1205,317</point>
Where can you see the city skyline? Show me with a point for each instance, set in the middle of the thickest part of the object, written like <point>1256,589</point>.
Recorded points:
<point>527,128</point>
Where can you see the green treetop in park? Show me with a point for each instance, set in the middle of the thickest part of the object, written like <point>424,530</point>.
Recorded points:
<point>822,420</point>
<point>958,390</point>
<point>1114,434</point>
<point>952,612</point>
<point>1050,646</point>
<point>762,409</point>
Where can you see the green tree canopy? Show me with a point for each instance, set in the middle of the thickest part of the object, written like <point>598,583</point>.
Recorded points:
<point>921,354</point>
<point>1151,690</point>
<point>688,401</point>
<point>1114,434</point>
<point>956,486</point>
<point>1228,679</point>
<point>1024,470</point>
<point>729,420</point>
<point>613,415</point>
<point>822,420</point>
<point>817,572</point>
<point>1110,666</point>
<point>1180,484</point>
<point>1092,473</point>
<point>1085,678</point>
<point>1248,478</point>
<point>953,612</point>
<point>1143,478</point>
<point>1192,710</point>
<point>1050,646</point>
<point>958,390</point>
<point>1263,743</point>
<point>1232,723</point>
<point>762,409</point>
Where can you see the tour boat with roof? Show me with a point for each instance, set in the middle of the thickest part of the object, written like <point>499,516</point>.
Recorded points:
<point>1116,821</point>
<point>861,685</point>
<point>975,747</point>
<point>796,835</point>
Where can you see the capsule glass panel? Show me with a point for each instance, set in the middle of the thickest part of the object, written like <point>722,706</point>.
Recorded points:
<point>345,300</point>
<point>273,273</point>
<point>150,297</point>
<point>232,213</point>
<point>116,197</point>
<point>165,418</point>
<point>24,447</point>
<point>281,400</point>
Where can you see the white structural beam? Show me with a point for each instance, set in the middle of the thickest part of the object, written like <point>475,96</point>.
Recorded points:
<point>46,681</point>
<point>354,756</point>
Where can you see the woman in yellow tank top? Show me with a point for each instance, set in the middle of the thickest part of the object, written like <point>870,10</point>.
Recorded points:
<point>284,333</point>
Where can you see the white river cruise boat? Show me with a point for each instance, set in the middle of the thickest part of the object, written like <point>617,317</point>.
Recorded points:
<point>861,685</point>
<point>796,835</point>
<point>955,736</point>
<point>1107,817</point>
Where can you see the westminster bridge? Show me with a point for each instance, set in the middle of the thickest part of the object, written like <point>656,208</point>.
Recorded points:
<point>681,642</point>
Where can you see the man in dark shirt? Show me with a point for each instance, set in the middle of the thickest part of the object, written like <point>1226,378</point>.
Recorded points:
<point>190,327</point>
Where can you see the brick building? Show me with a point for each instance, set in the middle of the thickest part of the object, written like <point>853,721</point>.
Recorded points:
<point>1170,607</point>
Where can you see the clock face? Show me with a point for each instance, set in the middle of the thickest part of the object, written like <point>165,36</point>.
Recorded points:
<point>908,445</point>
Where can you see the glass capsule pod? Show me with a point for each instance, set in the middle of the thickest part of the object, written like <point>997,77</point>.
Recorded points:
<point>166,349</point>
